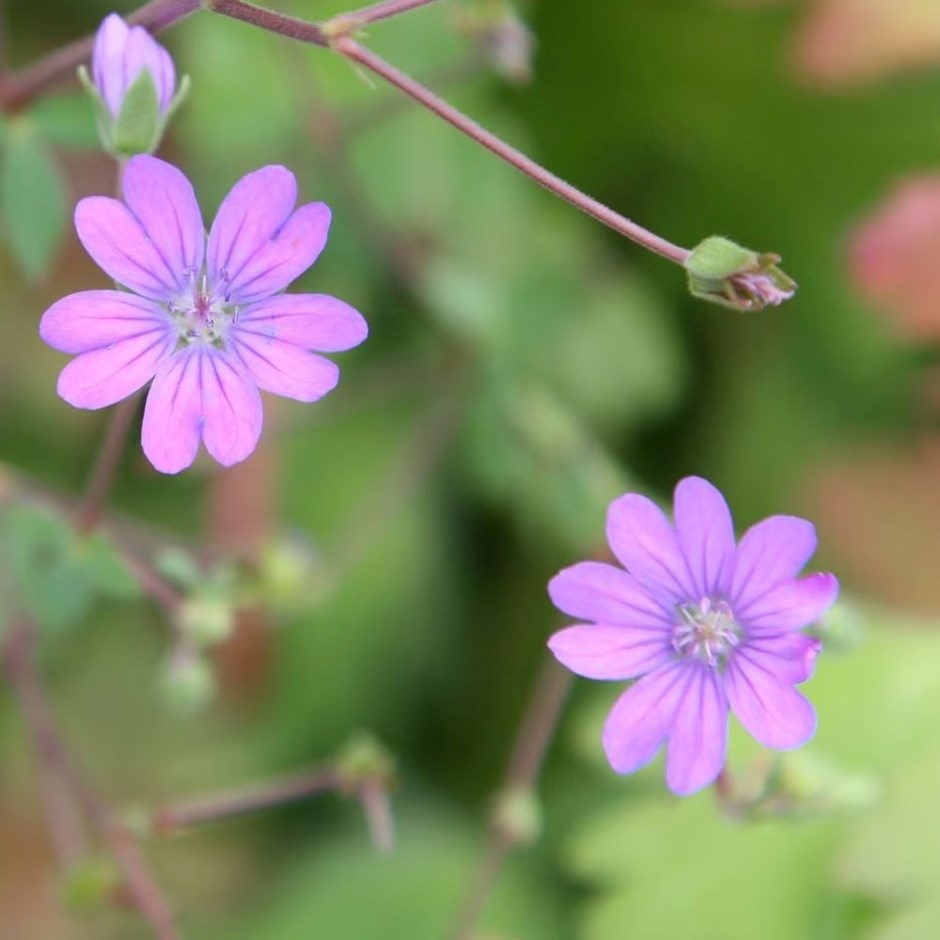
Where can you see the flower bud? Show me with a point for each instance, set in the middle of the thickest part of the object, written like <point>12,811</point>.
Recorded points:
<point>132,86</point>
<point>736,277</point>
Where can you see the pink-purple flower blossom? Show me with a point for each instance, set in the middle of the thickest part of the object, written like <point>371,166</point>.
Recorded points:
<point>702,624</point>
<point>202,317</point>
<point>121,53</point>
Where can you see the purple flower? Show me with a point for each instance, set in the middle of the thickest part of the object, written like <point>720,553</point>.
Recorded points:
<point>203,319</point>
<point>120,54</point>
<point>702,624</point>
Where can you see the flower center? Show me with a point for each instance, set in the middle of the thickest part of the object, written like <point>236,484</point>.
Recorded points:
<point>706,631</point>
<point>200,315</point>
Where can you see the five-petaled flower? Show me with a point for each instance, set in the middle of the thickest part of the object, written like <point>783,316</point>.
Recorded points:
<point>706,626</point>
<point>201,317</point>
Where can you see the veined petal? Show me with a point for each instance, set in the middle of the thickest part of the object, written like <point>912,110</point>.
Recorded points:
<point>599,651</point>
<point>163,201</point>
<point>311,321</point>
<point>769,553</point>
<point>600,592</point>
<point>787,657</point>
<point>200,394</point>
<point>232,408</point>
<point>105,375</point>
<point>120,245</point>
<point>706,535</point>
<point>258,244</point>
<point>699,738</point>
<point>107,61</point>
<point>285,369</point>
<point>772,712</point>
<point>791,605</point>
<point>91,319</point>
<point>647,546</point>
<point>284,257</point>
<point>643,716</point>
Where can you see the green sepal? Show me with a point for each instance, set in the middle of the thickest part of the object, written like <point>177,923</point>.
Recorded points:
<point>725,273</point>
<point>138,126</point>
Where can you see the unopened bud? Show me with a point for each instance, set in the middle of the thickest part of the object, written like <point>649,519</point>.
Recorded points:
<point>187,682</point>
<point>132,86</point>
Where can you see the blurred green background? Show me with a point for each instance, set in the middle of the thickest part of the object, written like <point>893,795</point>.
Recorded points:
<point>524,367</point>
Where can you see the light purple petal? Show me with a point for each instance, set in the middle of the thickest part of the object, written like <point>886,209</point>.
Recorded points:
<point>285,369</point>
<point>598,651</point>
<point>164,202</point>
<point>311,321</point>
<point>699,737</point>
<point>790,606</point>
<point>257,244</point>
<point>771,552</point>
<point>643,716</point>
<point>94,318</point>
<point>772,712</point>
<point>647,546</point>
<point>200,393</point>
<point>108,374</point>
<point>122,248</point>
<point>787,657</point>
<point>595,591</point>
<point>706,535</point>
<point>144,52</point>
<point>107,61</point>
<point>284,257</point>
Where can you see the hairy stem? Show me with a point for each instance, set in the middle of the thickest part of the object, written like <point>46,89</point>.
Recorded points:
<point>353,51</point>
<point>239,802</point>
<point>523,769</point>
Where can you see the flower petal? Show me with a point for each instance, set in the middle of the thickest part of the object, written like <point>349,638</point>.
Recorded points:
<point>787,657</point>
<point>105,375</point>
<point>706,535</point>
<point>163,201</point>
<point>285,369</point>
<point>599,651</point>
<point>647,546</point>
<point>790,606</point>
<point>698,741</point>
<point>643,716</point>
<point>200,393</point>
<point>94,318</point>
<point>311,321</point>
<point>120,245</point>
<point>144,52</point>
<point>772,712</point>
<point>257,246</point>
<point>600,592</point>
<point>107,61</point>
<point>769,553</point>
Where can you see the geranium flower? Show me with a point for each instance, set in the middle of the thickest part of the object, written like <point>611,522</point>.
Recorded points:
<point>707,626</point>
<point>202,318</point>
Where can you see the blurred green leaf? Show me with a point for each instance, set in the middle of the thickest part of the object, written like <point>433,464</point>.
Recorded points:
<point>343,888</point>
<point>58,574</point>
<point>33,198</point>
<point>66,121</point>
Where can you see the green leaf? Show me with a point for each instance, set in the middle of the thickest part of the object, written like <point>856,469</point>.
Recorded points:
<point>65,120</point>
<point>58,574</point>
<point>33,198</point>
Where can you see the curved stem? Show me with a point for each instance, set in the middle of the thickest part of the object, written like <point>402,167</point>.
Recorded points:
<point>353,51</point>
